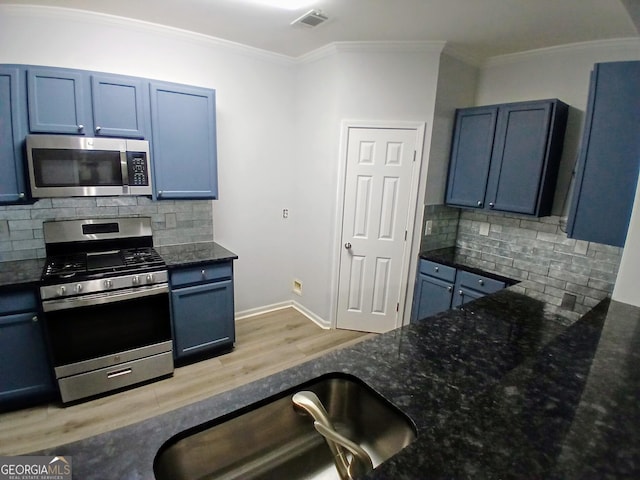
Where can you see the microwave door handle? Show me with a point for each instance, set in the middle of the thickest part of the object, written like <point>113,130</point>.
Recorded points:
<point>125,171</point>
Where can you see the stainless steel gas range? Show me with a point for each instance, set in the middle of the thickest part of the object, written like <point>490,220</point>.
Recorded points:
<point>105,298</point>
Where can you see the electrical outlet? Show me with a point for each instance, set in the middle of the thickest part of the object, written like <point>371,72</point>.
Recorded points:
<point>428,227</point>
<point>297,287</point>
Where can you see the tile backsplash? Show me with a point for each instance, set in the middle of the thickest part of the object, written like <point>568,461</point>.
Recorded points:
<point>563,272</point>
<point>173,221</point>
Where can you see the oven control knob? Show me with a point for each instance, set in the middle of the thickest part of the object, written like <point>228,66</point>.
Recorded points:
<point>62,291</point>
<point>149,277</point>
<point>135,280</point>
<point>78,288</point>
<point>108,284</point>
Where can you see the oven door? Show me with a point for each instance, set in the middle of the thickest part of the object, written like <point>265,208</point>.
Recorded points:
<point>95,331</point>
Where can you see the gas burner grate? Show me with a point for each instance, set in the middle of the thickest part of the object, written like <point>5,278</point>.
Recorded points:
<point>65,265</point>
<point>142,257</point>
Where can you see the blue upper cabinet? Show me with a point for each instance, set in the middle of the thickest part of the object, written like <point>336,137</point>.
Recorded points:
<point>506,157</point>
<point>609,159</point>
<point>84,103</point>
<point>471,156</point>
<point>183,126</point>
<point>57,102</point>
<point>118,106</point>
<point>12,179</point>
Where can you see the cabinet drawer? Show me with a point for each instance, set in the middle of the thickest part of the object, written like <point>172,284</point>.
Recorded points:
<point>479,283</point>
<point>437,270</point>
<point>202,273</point>
<point>18,301</point>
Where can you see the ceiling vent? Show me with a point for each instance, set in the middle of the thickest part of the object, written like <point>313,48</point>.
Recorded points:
<point>311,19</point>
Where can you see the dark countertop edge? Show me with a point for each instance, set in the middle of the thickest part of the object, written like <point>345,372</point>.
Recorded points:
<point>21,274</point>
<point>384,371</point>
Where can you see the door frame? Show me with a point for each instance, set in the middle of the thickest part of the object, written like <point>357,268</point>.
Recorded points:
<point>413,238</point>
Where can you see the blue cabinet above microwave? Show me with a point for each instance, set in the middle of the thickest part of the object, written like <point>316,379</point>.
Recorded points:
<point>83,103</point>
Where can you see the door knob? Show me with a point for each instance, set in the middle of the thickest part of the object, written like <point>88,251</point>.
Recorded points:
<point>347,246</point>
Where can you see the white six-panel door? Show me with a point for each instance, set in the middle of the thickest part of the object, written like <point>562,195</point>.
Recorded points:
<point>379,172</point>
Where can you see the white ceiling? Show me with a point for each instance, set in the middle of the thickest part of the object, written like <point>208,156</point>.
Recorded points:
<point>481,28</point>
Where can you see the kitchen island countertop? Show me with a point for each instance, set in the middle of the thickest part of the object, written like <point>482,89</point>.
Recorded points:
<point>497,390</point>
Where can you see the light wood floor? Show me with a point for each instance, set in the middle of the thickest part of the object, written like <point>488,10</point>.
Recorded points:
<point>265,344</point>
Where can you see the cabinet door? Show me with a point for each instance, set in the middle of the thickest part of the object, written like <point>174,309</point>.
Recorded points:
<point>519,155</point>
<point>56,99</point>
<point>464,295</point>
<point>471,156</point>
<point>432,296</point>
<point>608,163</point>
<point>203,317</point>
<point>470,286</point>
<point>117,106</point>
<point>184,141</point>
<point>12,180</point>
<point>24,367</point>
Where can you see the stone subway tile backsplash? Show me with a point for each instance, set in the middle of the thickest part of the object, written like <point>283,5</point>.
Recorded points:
<point>173,221</point>
<point>444,227</point>
<point>538,251</point>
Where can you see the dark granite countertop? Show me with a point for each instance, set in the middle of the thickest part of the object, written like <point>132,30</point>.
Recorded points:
<point>497,390</point>
<point>191,254</point>
<point>21,273</point>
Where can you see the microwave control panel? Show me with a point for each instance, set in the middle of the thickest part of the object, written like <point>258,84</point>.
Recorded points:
<point>138,169</point>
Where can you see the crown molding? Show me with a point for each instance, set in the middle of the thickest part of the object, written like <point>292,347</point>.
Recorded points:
<point>48,12</point>
<point>632,43</point>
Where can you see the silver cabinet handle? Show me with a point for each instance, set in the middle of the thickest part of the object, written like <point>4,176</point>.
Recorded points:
<point>159,193</point>
<point>449,288</point>
<point>119,373</point>
<point>34,319</point>
<point>204,274</point>
<point>461,293</point>
<point>479,203</point>
<point>491,204</point>
<point>21,196</point>
<point>80,127</point>
<point>98,129</point>
<point>437,269</point>
<point>481,282</point>
<point>347,246</point>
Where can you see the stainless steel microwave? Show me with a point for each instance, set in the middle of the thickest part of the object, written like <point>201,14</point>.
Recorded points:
<point>74,166</point>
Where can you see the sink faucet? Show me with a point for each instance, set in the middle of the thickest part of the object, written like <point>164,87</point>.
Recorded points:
<point>360,462</point>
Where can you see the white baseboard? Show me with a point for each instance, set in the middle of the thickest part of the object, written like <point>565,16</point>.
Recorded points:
<point>252,312</point>
<point>321,322</point>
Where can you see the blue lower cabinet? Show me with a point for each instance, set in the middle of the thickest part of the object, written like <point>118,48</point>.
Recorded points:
<point>202,314</point>
<point>25,373</point>
<point>432,296</point>
<point>441,287</point>
<point>470,286</point>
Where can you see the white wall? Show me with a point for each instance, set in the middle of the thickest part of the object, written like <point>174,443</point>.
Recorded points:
<point>457,83</point>
<point>563,72</point>
<point>255,114</point>
<point>361,82</point>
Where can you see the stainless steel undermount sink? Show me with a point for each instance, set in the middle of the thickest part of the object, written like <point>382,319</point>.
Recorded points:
<point>274,439</point>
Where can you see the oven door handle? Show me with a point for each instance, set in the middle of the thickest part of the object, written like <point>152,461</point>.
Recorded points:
<point>102,298</point>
